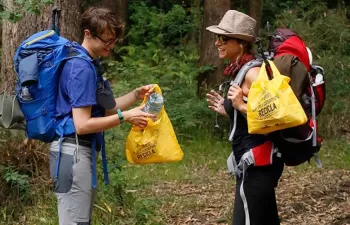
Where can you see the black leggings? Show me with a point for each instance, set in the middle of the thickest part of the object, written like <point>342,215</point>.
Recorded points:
<point>259,189</point>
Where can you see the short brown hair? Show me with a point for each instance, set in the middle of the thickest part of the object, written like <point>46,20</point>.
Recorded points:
<point>97,19</point>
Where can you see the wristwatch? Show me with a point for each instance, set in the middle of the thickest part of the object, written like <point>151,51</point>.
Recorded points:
<point>120,115</point>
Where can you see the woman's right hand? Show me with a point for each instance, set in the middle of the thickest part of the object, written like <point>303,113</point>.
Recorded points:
<point>216,102</point>
<point>138,117</point>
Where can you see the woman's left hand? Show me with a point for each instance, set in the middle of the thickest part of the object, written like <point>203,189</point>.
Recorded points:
<point>143,91</point>
<point>235,94</point>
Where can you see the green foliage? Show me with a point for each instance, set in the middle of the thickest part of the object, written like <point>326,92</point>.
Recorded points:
<point>20,7</point>
<point>162,59</point>
<point>145,211</point>
<point>173,69</point>
<point>164,5</point>
<point>273,9</point>
<point>18,184</point>
<point>116,188</point>
<point>152,25</point>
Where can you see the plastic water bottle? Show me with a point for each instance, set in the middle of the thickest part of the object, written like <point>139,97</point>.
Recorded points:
<point>25,94</point>
<point>154,104</point>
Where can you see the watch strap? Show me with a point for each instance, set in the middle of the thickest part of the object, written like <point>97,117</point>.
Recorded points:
<point>120,115</point>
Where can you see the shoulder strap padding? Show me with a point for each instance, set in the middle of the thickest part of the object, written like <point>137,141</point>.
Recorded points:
<point>243,71</point>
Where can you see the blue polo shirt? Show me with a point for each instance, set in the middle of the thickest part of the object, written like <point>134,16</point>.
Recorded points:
<point>79,86</point>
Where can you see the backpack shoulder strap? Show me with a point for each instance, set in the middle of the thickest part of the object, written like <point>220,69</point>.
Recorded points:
<point>239,80</point>
<point>243,71</point>
<point>76,53</point>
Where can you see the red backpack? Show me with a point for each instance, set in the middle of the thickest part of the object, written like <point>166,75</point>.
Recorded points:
<point>299,144</point>
<point>291,56</point>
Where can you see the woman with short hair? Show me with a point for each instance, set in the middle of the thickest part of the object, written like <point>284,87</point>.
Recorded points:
<point>86,99</point>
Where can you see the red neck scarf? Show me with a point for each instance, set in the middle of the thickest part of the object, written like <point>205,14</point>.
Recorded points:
<point>234,67</point>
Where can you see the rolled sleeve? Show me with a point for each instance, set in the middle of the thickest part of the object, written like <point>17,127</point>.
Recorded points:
<point>81,86</point>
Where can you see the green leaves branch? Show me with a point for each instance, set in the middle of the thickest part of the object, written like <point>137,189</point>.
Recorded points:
<point>20,7</point>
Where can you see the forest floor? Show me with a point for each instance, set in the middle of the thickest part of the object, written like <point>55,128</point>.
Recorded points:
<point>316,197</point>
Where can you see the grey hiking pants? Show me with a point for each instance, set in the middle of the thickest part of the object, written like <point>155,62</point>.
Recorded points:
<point>73,186</point>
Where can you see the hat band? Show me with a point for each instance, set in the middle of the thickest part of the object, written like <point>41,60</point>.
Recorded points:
<point>236,32</point>
<point>224,30</point>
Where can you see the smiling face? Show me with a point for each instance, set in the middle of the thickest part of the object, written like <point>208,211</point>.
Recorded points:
<point>99,44</point>
<point>102,29</point>
<point>229,48</point>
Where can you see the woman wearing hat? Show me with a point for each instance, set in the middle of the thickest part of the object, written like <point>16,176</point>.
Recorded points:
<point>256,179</point>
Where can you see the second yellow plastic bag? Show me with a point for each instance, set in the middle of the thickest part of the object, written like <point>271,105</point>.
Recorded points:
<point>157,143</point>
<point>272,104</point>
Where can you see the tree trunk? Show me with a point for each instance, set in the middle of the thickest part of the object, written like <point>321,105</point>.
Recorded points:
<point>12,36</point>
<point>255,11</point>
<point>14,33</point>
<point>213,12</point>
<point>70,19</point>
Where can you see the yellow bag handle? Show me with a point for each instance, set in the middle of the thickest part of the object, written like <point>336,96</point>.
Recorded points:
<point>263,73</point>
<point>156,89</point>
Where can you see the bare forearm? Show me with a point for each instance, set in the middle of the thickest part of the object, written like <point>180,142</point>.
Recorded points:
<point>97,124</point>
<point>123,103</point>
<point>126,101</point>
<point>243,108</point>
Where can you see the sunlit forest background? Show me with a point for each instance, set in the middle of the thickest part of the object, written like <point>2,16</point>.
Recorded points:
<point>165,42</point>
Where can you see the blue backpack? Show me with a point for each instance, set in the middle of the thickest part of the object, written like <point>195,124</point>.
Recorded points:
<point>38,62</point>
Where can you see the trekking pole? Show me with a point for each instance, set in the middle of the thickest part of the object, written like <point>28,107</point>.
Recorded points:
<point>58,21</point>
<point>53,22</point>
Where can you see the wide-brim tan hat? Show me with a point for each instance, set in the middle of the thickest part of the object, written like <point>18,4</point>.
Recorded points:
<point>236,24</point>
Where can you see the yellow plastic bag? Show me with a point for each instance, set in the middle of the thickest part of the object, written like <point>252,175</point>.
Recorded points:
<point>272,104</point>
<point>157,143</point>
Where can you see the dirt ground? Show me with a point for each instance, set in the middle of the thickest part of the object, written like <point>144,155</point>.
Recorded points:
<point>315,197</point>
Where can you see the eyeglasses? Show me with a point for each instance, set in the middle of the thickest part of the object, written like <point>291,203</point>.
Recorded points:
<point>107,43</point>
<point>223,39</point>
